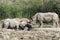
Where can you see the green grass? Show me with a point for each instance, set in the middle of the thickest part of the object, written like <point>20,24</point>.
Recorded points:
<point>27,8</point>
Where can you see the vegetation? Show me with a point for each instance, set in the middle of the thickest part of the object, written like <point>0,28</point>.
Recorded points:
<point>27,8</point>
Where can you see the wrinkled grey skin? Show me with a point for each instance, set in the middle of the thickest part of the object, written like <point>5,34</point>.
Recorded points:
<point>46,17</point>
<point>11,23</point>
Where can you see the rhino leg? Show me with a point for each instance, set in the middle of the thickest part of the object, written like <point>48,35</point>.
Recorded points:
<point>41,24</point>
<point>3,25</point>
<point>20,28</point>
<point>57,24</point>
<point>54,24</point>
<point>17,27</point>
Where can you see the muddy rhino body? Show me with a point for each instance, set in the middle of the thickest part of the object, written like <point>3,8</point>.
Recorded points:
<point>16,23</point>
<point>46,17</point>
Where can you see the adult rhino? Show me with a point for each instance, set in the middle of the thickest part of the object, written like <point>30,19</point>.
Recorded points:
<point>46,17</point>
<point>16,23</point>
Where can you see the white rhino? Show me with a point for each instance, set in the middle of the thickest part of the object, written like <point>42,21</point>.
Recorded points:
<point>46,17</point>
<point>16,22</point>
